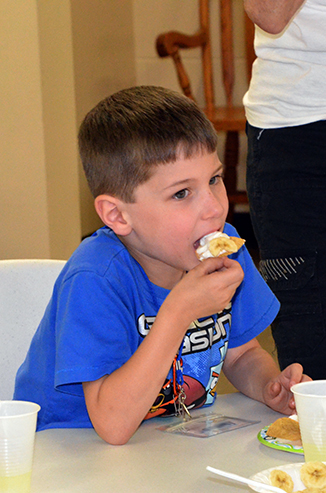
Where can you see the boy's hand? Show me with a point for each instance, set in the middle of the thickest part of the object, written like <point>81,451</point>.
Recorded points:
<point>277,393</point>
<point>208,288</point>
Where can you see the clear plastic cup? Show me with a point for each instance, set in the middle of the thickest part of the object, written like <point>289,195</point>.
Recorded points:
<point>310,401</point>
<point>17,434</point>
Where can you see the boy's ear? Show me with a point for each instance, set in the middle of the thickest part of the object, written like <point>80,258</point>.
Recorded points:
<point>110,210</point>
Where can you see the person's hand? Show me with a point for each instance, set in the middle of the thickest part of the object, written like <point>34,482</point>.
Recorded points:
<point>208,288</point>
<point>277,393</point>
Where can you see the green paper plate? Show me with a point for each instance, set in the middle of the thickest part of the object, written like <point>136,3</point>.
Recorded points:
<point>275,443</point>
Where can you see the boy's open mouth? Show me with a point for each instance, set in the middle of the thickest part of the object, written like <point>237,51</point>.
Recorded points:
<point>196,244</point>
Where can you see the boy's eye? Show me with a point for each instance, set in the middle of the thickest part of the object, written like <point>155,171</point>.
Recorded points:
<point>215,179</point>
<point>182,194</point>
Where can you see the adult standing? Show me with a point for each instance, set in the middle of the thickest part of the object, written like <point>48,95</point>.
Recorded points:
<point>286,171</point>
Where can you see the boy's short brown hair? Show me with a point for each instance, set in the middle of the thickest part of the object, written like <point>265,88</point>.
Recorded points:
<point>128,133</point>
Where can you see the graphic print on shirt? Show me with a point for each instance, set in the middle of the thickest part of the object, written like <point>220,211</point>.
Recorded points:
<point>215,373</point>
<point>204,349</point>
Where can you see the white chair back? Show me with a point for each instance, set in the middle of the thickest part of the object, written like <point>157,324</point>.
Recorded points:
<point>25,290</point>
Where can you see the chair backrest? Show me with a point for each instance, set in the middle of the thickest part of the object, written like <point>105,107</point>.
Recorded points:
<point>25,290</point>
<point>170,43</point>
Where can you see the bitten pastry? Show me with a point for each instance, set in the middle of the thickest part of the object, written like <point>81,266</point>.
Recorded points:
<point>218,245</point>
<point>285,428</point>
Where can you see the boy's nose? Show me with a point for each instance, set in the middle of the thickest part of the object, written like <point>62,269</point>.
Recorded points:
<point>214,206</point>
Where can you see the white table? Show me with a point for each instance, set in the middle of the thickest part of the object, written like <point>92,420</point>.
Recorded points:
<point>77,460</point>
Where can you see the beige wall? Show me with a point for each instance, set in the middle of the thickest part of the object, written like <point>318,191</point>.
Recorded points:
<point>38,164</point>
<point>23,194</point>
<point>59,126</point>
<point>104,62</point>
<point>58,59</point>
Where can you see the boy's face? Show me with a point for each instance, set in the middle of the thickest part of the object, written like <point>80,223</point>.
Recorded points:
<point>178,205</point>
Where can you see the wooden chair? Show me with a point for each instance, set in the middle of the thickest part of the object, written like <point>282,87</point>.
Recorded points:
<point>229,118</point>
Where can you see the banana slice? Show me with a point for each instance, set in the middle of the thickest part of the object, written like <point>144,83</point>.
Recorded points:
<point>281,479</point>
<point>218,245</point>
<point>313,474</point>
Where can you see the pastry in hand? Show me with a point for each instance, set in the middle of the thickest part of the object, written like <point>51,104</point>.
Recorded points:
<point>218,245</point>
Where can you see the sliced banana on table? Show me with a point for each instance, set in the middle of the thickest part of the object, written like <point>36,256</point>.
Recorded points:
<point>313,475</point>
<point>281,479</point>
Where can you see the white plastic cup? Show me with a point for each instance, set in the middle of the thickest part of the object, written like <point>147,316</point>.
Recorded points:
<point>310,401</point>
<point>17,435</point>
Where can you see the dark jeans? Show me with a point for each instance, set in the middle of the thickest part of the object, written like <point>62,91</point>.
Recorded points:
<point>286,183</point>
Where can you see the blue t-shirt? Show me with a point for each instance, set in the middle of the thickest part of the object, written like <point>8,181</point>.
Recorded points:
<point>102,307</point>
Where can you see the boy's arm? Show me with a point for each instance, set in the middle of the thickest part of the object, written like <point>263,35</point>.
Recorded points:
<point>253,371</point>
<point>272,15</point>
<point>118,403</point>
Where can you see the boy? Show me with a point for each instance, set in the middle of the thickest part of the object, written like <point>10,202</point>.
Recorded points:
<point>134,300</point>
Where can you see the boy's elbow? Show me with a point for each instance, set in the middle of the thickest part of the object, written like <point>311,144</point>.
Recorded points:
<point>114,439</point>
<point>114,435</point>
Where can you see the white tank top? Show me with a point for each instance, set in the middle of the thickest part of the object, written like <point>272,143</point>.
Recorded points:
<point>288,85</point>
